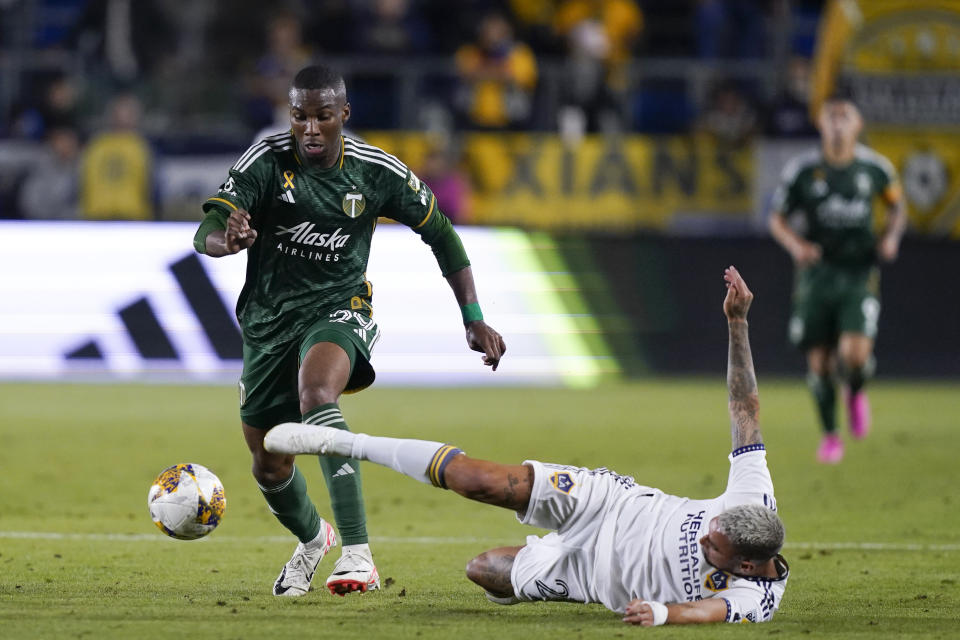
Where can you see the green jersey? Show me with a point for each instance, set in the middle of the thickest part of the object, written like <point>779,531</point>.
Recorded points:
<point>314,228</point>
<point>836,204</point>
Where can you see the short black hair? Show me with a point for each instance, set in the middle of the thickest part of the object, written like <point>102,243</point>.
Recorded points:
<point>842,92</point>
<point>319,76</point>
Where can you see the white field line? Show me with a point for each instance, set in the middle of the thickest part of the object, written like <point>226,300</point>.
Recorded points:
<point>157,537</point>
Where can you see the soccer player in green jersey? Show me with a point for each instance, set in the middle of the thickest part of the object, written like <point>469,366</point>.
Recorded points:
<point>836,304</point>
<point>304,204</point>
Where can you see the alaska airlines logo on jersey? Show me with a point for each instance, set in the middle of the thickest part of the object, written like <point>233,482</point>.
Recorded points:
<point>864,184</point>
<point>717,581</point>
<point>303,233</point>
<point>549,593</point>
<point>353,203</point>
<point>839,212</point>
<point>562,482</point>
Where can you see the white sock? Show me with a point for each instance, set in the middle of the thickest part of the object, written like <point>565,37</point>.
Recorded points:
<point>422,460</point>
<point>359,549</point>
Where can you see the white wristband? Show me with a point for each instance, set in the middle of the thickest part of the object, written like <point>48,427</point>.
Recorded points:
<point>659,612</point>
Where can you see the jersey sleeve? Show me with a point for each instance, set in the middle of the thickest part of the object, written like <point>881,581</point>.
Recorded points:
<point>246,182</point>
<point>411,202</point>
<point>784,199</point>
<point>243,189</point>
<point>749,603</point>
<point>888,181</point>
<point>749,479</point>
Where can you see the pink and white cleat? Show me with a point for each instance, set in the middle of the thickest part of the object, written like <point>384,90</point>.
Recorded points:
<point>353,573</point>
<point>831,449</point>
<point>858,413</point>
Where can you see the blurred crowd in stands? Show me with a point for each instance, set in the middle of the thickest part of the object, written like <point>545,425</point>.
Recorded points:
<point>95,89</point>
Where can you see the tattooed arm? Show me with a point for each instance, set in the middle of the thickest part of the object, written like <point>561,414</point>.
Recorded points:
<point>744,403</point>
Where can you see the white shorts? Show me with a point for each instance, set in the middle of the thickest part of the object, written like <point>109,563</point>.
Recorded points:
<point>574,502</point>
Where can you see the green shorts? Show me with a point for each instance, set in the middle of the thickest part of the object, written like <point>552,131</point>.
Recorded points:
<point>830,300</point>
<point>269,391</point>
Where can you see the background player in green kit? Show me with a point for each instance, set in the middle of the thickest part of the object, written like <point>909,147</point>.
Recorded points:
<point>304,204</point>
<point>836,301</point>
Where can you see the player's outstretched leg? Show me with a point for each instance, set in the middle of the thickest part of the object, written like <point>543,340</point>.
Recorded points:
<point>434,463</point>
<point>422,460</point>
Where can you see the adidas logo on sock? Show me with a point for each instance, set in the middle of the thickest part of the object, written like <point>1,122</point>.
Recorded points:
<point>345,470</point>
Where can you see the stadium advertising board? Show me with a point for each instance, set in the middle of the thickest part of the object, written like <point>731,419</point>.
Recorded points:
<point>132,301</point>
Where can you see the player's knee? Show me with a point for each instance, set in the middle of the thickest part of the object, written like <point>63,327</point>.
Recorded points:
<point>491,570</point>
<point>479,571</point>
<point>269,472</point>
<point>316,395</point>
<point>853,361</point>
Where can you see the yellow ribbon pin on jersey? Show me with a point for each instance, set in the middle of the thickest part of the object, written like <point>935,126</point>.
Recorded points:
<point>288,180</point>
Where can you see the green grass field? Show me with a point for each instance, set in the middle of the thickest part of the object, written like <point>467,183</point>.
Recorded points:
<point>873,543</point>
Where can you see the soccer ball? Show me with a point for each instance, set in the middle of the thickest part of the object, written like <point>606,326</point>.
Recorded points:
<point>186,501</point>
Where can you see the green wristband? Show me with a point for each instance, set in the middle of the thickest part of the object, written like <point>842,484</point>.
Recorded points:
<point>471,312</point>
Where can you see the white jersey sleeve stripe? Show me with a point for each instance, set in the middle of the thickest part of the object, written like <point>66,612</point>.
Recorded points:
<point>798,164</point>
<point>374,151</point>
<point>375,154</point>
<point>370,147</point>
<point>867,154</point>
<point>354,154</point>
<point>252,159</point>
<point>246,154</point>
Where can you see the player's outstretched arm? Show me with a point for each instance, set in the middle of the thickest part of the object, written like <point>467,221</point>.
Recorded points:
<point>480,336</point>
<point>744,402</point>
<point>649,614</point>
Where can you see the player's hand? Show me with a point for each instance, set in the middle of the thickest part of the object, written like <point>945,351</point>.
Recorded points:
<point>806,253</point>
<point>639,612</point>
<point>739,297</point>
<point>481,337</point>
<point>239,234</point>
<point>888,248</point>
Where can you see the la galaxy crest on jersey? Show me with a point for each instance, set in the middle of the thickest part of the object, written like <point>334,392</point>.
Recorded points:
<point>717,581</point>
<point>562,481</point>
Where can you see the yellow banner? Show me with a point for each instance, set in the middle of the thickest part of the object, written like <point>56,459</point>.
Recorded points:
<point>535,180</point>
<point>901,59</point>
<point>929,166</point>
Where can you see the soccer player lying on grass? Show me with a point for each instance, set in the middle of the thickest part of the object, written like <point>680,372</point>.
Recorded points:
<point>653,557</point>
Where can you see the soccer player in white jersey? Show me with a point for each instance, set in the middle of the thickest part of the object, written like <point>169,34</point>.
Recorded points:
<point>652,557</point>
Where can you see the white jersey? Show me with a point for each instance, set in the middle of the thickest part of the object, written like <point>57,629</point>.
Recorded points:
<point>617,541</point>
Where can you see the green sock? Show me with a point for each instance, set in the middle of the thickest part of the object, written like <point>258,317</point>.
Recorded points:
<point>343,480</point>
<point>857,377</point>
<point>825,395</point>
<point>292,506</point>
